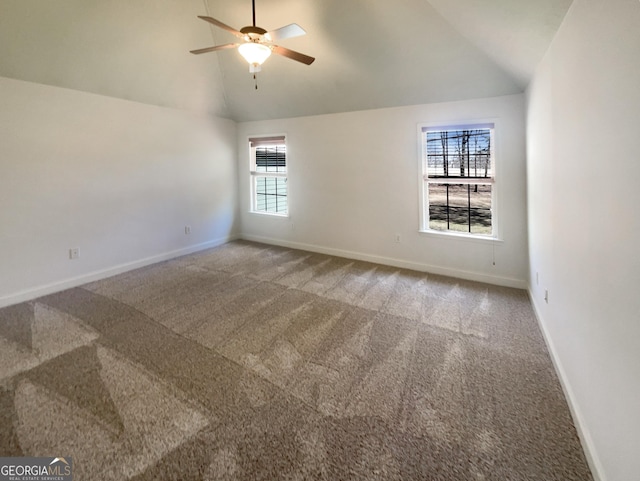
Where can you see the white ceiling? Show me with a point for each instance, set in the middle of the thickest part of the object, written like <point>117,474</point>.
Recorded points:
<point>369,53</point>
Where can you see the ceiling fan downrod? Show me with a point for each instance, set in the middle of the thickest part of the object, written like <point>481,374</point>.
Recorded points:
<point>253,10</point>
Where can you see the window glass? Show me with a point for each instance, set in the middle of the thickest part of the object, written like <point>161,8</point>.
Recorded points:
<point>268,175</point>
<point>458,179</point>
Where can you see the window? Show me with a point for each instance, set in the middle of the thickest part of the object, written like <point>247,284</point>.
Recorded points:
<point>269,175</point>
<point>458,181</point>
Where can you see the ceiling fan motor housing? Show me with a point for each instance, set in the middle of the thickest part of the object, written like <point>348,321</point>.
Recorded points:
<point>252,32</point>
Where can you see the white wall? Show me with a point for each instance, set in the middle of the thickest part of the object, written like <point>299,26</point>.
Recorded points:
<point>117,179</point>
<point>353,184</point>
<point>584,226</point>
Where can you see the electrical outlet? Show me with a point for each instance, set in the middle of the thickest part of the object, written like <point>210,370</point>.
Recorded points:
<point>187,229</point>
<point>74,253</point>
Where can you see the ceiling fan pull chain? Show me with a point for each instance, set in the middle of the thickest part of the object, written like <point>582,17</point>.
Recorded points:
<point>255,79</point>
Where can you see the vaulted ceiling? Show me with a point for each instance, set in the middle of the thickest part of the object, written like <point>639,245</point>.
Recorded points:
<point>369,53</point>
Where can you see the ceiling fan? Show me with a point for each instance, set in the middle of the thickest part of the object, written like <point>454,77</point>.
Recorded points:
<point>257,44</point>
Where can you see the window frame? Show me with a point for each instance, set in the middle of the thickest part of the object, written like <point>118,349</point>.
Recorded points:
<point>424,179</point>
<point>256,141</point>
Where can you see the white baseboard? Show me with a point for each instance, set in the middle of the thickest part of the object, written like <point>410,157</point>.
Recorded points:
<point>389,261</point>
<point>39,291</point>
<point>578,420</point>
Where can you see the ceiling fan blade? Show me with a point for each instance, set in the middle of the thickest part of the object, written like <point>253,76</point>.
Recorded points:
<point>297,56</point>
<point>289,31</point>
<point>213,49</point>
<point>224,26</point>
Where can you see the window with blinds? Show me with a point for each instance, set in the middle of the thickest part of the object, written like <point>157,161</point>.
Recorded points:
<point>458,179</point>
<point>269,191</point>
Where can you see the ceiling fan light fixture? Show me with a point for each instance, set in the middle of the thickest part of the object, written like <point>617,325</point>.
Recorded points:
<point>255,54</point>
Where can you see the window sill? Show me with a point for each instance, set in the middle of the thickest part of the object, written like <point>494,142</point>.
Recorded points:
<point>460,236</point>
<point>269,214</point>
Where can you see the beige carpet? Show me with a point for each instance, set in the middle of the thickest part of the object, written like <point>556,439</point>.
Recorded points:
<point>253,362</point>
